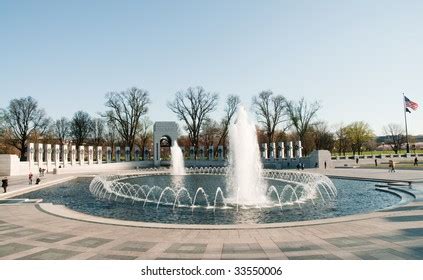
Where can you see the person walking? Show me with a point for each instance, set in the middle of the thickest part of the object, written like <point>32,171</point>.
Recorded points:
<point>30,178</point>
<point>393,166</point>
<point>416,162</point>
<point>4,184</point>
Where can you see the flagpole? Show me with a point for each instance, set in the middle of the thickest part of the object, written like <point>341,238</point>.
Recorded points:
<point>405,118</point>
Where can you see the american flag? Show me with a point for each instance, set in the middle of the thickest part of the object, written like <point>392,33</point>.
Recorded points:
<point>410,104</point>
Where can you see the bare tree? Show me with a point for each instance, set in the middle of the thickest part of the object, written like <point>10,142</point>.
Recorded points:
<point>81,126</point>
<point>231,105</point>
<point>301,115</point>
<point>270,111</point>
<point>322,137</point>
<point>111,134</point>
<point>210,133</point>
<point>21,119</point>
<point>395,136</point>
<point>145,134</point>
<point>61,129</point>
<point>98,131</point>
<point>193,107</point>
<point>126,109</point>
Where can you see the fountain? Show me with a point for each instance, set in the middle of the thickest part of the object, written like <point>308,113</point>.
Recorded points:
<point>241,193</point>
<point>246,186</point>
<point>177,164</point>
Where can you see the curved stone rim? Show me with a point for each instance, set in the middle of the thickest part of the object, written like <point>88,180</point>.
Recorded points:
<point>62,211</point>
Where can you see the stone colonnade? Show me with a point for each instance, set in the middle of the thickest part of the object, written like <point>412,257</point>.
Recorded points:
<point>282,151</point>
<point>70,155</point>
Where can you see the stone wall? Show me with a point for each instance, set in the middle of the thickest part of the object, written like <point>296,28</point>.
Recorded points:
<point>349,161</point>
<point>10,165</point>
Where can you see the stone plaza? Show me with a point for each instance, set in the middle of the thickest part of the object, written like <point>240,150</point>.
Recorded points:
<point>47,231</point>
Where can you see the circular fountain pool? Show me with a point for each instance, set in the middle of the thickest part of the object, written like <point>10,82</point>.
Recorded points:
<point>207,199</point>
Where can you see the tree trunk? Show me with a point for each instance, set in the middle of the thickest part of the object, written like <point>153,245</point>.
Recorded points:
<point>22,151</point>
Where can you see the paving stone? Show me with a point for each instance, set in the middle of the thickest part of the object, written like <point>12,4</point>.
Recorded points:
<point>135,246</point>
<point>415,251</point>
<point>242,248</point>
<point>4,227</point>
<point>244,257</point>
<point>297,246</point>
<point>112,257</point>
<point>411,218</point>
<point>383,254</point>
<point>90,242</point>
<point>314,257</point>
<point>415,232</point>
<point>342,242</point>
<point>192,248</point>
<point>21,233</point>
<point>12,248</point>
<point>54,237</point>
<point>393,237</point>
<point>405,208</point>
<point>51,254</point>
<point>193,257</point>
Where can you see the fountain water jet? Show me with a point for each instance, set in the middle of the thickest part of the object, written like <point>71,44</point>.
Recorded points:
<point>177,163</point>
<point>245,180</point>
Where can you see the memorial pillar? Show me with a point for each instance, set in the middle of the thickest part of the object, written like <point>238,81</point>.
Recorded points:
<point>31,151</point>
<point>290,150</point>
<point>137,153</point>
<point>220,152</point>
<point>90,155</point>
<point>264,150</point>
<point>201,152</point>
<point>191,152</point>
<point>48,156</point>
<point>117,154</point>
<point>127,154</point>
<point>272,151</point>
<point>211,152</point>
<point>99,155</point>
<point>299,153</point>
<point>57,155</point>
<point>81,155</point>
<point>146,154</point>
<point>73,155</point>
<point>65,155</point>
<point>281,150</point>
<point>108,154</point>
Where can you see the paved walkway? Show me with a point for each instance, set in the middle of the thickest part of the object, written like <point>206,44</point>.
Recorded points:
<point>29,232</point>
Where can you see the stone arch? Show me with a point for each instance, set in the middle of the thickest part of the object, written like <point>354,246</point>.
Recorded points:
<point>166,140</point>
<point>169,130</point>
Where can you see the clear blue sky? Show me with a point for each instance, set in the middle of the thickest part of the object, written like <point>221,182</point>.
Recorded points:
<point>356,57</point>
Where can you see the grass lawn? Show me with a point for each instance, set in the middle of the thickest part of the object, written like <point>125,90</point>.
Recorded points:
<point>384,165</point>
<point>370,153</point>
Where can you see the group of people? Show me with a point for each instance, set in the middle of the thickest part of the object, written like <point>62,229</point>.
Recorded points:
<point>300,165</point>
<point>5,181</point>
<point>30,177</point>
<point>41,171</point>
